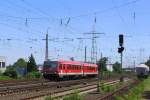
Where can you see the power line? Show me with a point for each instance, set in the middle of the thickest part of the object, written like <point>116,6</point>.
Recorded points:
<point>71,17</point>
<point>103,11</point>
<point>120,16</point>
<point>37,9</point>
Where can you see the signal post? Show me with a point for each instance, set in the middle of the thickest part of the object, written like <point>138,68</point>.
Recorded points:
<point>120,50</point>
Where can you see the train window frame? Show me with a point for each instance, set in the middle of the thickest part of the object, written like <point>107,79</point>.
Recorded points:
<point>60,66</point>
<point>64,66</point>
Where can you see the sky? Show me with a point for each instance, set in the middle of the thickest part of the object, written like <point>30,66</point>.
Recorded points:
<point>24,24</point>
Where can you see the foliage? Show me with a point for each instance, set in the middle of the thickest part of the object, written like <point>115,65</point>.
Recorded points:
<point>33,75</point>
<point>1,73</point>
<point>102,64</point>
<point>118,98</point>
<point>74,96</point>
<point>31,64</point>
<point>148,62</point>
<point>2,77</point>
<point>11,72</point>
<point>136,92</point>
<point>49,98</point>
<point>20,63</point>
<point>106,88</point>
<point>117,67</point>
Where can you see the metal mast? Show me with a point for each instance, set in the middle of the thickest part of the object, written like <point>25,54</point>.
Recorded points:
<point>85,55</point>
<point>94,45</point>
<point>46,51</point>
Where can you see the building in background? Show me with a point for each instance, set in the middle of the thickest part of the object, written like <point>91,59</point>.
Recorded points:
<point>40,67</point>
<point>109,67</point>
<point>2,63</point>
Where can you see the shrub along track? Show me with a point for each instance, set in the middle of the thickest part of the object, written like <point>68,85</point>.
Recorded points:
<point>120,91</point>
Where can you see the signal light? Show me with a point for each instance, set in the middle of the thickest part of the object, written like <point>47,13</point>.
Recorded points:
<point>120,50</point>
<point>121,39</point>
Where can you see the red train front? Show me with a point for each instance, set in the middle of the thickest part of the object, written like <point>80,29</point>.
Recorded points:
<point>68,69</point>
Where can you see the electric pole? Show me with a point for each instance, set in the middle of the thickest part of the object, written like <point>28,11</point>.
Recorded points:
<point>85,54</point>
<point>46,51</point>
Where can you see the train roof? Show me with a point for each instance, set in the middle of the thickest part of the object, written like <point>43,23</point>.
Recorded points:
<point>74,62</point>
<point>143,66</point>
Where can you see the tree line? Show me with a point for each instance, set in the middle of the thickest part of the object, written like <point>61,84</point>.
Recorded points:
<point>28,68</point>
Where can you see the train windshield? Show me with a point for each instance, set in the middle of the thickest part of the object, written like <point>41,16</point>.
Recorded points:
<point>49,64</point>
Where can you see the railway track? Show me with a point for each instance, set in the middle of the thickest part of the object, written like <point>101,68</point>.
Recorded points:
<point>7,89</point>
<point>40,95</point>
<point>21,82</point>
<point>61,93</point>
<point>51,89</point>
<point>38,89</point>
<point>119,91</point>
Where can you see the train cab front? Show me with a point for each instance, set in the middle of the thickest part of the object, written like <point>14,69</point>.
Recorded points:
<point>50,69</point>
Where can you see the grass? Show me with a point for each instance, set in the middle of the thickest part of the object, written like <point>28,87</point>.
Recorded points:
<point>109,88</point>
<point>74,96</point>
<point>2,77</point>
<point>49,98</point>
<point>136,92</point>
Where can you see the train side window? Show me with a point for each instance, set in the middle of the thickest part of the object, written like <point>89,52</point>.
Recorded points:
<point>64,66</point>
<point>69,67</point>
<point>73,67</point>
<point>60,66</point>
<point>3,64</point>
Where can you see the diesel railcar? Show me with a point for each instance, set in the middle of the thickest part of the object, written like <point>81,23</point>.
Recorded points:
<point>68,69</point>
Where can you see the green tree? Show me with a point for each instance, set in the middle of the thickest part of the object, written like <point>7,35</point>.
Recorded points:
<point>148,62</point>
<point>20,63</point>
<point>117,67</point>
<point>102,64</point>
<point>31,64</point>
<point>11,72</point>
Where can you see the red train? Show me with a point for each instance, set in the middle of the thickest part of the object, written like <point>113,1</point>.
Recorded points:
<point>68,69</point>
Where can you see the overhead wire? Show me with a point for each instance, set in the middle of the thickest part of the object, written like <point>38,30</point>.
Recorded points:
<point>78,16</point>
<point>37,9</point>
<point>119,14</point>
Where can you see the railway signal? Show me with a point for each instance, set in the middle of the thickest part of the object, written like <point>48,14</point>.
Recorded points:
<point>121,40</point>
<point>120,50</point>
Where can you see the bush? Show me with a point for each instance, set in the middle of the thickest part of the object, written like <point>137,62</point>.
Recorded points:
<point>136,92</point>
<point>33,75</point>
<point>74,96</point>
<point>2,77</point>
<point>11,72</point>
<point>118,98</point>
<point>49,98</point>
